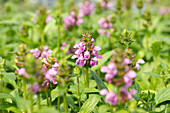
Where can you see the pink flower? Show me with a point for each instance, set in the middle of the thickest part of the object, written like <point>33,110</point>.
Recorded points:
<point>93,61</point>
<point>101,31</point>
<point>140,61</point>
<point>50,74</point>
<point>101,21</point>
<point>45,83</point>
<point>35,88</point>
<point>104,92</point>
<point>86,8</point>
<point>55,65</point>
<point>108,34</point>
<point>23,72</point>
<point>133,91</point>
<point>35,52</point>
<point>81,61</point>
<point>111,71</point>
<point>86,55</point>
<point>48,19</point>
<point>112,98</point>
<point>105,5</point>
<point>34,21</point>
<point>72,20</point>
<point>63,45</point>
<point>105,25</point>
<point>163,11</point>
<point>131,74</point>
<point>126,61</point>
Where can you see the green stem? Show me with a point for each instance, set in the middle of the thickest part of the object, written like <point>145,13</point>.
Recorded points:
<point>87,77</point>
<point>42,37</point>
<point>58,41</point>
<point>118,93</point>
<point>46,94</point>
<point>147,40</point>
<point>139,18</point>
<point>50,94</point>
<point>58,103</point>
<point>1,84</point>
<point>65,103</point>
<point>127,17</point>
<point>87,80</point>
<point>79,97</point>
<point>31,99</point>
<point>24,88</point>
<point>84,75</point>
<point>39,101</point>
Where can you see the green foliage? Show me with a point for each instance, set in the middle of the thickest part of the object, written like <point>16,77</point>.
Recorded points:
<point>90,104</point>
<point>98,80</point>
<point>163,95</point>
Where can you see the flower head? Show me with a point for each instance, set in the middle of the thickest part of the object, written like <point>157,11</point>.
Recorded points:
<point>105,26</point>
<point>86,8</point>
<point>86,52</point>
<point>72,20</point>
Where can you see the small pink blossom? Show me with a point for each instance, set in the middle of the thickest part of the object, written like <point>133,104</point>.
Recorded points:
<point>35,52</point>
<point>140,61</point>
<point>104,92</point>
<point>86,55</point>
<point>48,19</point>
<point>23,72</point>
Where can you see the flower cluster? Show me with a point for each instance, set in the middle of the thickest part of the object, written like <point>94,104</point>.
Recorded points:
<point>120,72</point>
<point>105,26</point>
<point>105,4</point>
<point>72,20</point>
<point>163,11</point>
<point>50,64</point>
<point>86,52</point>
<point>86,8</point>
<point>43,13</point>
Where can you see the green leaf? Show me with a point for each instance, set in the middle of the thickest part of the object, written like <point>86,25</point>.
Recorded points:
<point>98,80</point>
<point>10,75</point>
<point>90,104</point>
<point>156,47</point>
<point>6,22</point>
<point>28,41</point>
<point>164,66</point>
<point>90,90</point>
<point>9,106</point>
<point>163,95</point>
<point>122,111</point>
<point>152,74</point>
<point>10,81</point>
<point>71,103</point>
<point>23,104</point>
<point>47,110</point>
<point>57,92</point>
<point>105,56</point>
<point>137,98</point>
<point>104,108</point>
<point>6,95</point>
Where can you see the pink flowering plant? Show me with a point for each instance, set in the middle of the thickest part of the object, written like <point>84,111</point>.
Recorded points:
<point>121,73</point>
<point>72,20</point>
<point>120,64</point>
<point>106,26</point>
<point>86,8</point>
<point>86,53</point>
